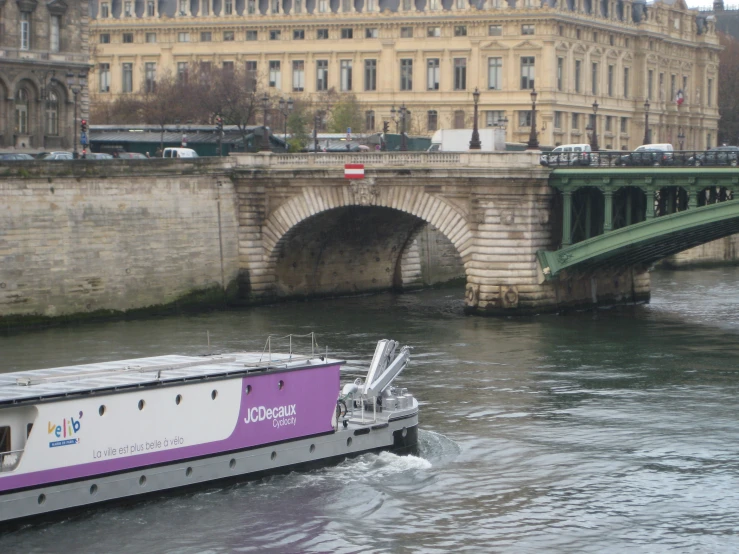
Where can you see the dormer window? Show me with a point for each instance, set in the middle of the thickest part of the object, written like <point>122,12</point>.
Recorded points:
<point>127,9</point>
<point>104,10</point>
<point>183,7</point>
<point>229,7</point>
<point>150,8</point>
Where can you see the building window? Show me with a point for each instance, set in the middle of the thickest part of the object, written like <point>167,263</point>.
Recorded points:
<point>345,67</point>
<point>183,7</point>
<point>610,80</point>
<point>650,83</point>
<point>624,125</point>
<point>151,37</point>
<point>228,36</point>
<point>371,5</point>
<point>685,88</point>
<point>371,32</point>
<point>626,43</point>
<point>104,38</point>
<point>575,120</point>
<point>460,30</point>
<point>527,29</point>
<point>127,84</point>
<point>21,111</point>
<point>709,94</point>
<point>432,74</point>
<point>299,34</point>
<point>150,10</point>
<point>346,6</point>
<point>459,119</point>
<point>460,73</point>
<point>626,82</point>
<point>275,6</point>
<point>407,5</point>
<point>406,32</point>
<point>298,6</point>
<point>370,75</point>
<point>251,35</point>
<point>206,36</point>
<point>25,31</point>
<point>432,120</point>
<point>127,11</point>
<point>51,126</point>
<point>104,10</point>
<point>433,31</point>
<point>577,34</point>
<point>127,38</point>
<point>434,5</point>
<point>322,6</point>
<point>527,72</point>
<point>406,74</point>
<point>54,38</point>
<point>182,73</point>
<point>495,30</point>
<point>609,123</point>
<point>298,76</point>
<point>183,37</point>
<point>709,141</point>
<point>594,78</point>
<point>595,37</point>
<point>150,77</point>
<point>661,89</point>
<point>557,120</point>
<point>610,40</point>
<point>251,76</point>
<point>560,72</point>
<point>495,73</point>
<point>204,68</point>
<point>104,72</point>
<point>228,7</point>
<point>322,75</point>
<point>347,33</point>
<point>493,118</point>
<point>274,74</point>
<point>524,118</point>
<point>369,120</point>
<point>275,34</point>
<point>228,67</point>
<point>578,75</point>
<point>251,7</point>
<point>205,7</point>
<point>322,34</point>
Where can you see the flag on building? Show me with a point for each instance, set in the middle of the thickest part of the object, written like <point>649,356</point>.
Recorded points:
<point>679,99</point>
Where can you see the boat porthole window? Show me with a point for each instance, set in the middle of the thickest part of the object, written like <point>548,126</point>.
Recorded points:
<point>312,448</point>
<point>41,498</point>
<point>178,399</point>
<point>274,455</point>
<point>93,489</point>
<point>232,463</point>
<point>142,480</point>
<point>248,389</point>
<point>214,394</point>
<point>188,472</point>
<point>404,432</point>
<point>349,441</point>
<point>101,409</point>
<point>141,404</point>
<point>280,384</point>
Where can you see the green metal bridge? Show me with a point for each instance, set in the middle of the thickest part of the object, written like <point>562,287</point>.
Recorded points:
<point>626,217</point>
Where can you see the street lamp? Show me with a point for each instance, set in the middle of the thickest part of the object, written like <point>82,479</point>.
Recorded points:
<point>475,142</point>
<point>533,143</point>
<point>646,122</point>
<point>76,84</point>
<point>681,137</point>
<point>316,121</point>
<point>594,136</point>
<point>265,138</point>
<point>286,109</point>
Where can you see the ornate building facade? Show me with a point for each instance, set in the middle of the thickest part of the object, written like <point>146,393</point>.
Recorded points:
<point>44,61</point>
<point>430,55</point>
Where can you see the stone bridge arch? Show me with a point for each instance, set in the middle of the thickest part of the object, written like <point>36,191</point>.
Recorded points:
<point>449,218</point>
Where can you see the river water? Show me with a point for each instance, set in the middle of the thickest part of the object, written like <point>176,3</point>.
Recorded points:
<point>607,431</point>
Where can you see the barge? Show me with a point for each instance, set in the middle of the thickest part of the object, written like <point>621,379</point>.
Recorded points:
<point>75,436</point>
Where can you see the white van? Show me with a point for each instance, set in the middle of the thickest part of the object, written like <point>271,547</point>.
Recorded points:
<point>179,153</point>
<point>568,154</point>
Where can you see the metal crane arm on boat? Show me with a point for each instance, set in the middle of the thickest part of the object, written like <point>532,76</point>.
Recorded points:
<point>375,388</point>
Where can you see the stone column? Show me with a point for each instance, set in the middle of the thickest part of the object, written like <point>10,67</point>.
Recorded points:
<point>566,218</point>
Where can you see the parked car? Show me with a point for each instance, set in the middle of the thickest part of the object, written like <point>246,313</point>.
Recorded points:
<point>649,154</point>
<point>98,156</point>
<point>58,156</point>
<point>179,153</point>
<point>718,155</point>
<point>568,154</point>
<point>14,156</point>
<point>131,156</point>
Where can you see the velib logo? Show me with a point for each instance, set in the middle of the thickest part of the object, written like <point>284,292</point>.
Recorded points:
<point>281,416</point>
<point>66,432</point>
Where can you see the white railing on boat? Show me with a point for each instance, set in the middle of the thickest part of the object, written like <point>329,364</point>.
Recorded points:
<point>10,460</point>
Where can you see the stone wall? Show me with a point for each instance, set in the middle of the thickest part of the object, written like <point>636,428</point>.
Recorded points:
<point>113,240</point>
<point>719,252</point>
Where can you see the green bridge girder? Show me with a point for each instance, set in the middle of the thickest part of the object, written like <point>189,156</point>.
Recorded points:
<point>653,238</point>
<point>646,242</point>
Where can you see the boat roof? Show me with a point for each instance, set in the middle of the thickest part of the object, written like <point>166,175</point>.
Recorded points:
<point>107,377</point>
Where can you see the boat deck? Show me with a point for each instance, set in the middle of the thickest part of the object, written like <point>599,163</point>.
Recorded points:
<point>53,383</point>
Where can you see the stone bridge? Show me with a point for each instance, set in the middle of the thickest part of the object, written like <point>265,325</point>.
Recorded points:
<point>88,237</point>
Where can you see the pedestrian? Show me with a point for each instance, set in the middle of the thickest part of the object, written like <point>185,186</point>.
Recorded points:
<point>158,153</point>
<point>147,155</point>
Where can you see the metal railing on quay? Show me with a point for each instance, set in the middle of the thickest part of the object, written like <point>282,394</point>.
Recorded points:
<point>642,158</point>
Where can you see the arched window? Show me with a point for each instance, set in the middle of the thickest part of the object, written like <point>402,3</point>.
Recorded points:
<point>21,112</point>
<point>52,114</point>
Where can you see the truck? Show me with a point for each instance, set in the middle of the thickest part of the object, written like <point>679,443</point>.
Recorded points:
<point>458,140</point>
